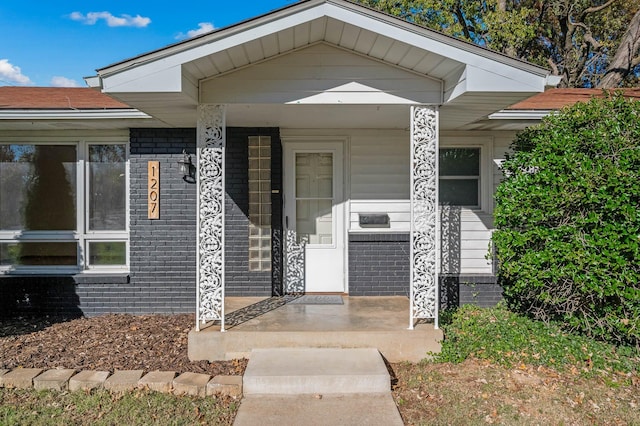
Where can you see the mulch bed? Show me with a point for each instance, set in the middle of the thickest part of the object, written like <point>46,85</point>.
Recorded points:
<point>108,342</point>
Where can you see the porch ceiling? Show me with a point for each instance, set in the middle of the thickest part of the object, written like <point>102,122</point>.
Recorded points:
<point>167,83</point>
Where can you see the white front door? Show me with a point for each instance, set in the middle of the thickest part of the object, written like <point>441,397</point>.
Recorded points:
<point>314,210</point>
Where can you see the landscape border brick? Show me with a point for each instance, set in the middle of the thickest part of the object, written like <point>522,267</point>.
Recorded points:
<point>19,378</point>
<point>54,379</point>
<point>62,379</point>
<point>87,380</point>
<point>123,380</point>
<point>158,381</point>
<point>194,384</point>
<point>225,385</point>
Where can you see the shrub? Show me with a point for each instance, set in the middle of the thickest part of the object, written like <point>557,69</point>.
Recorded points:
<point>568,220</point>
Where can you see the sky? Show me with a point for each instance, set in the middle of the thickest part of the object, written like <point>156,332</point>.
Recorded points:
<point>57,43</point>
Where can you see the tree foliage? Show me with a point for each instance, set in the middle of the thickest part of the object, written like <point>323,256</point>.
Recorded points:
<point>590,43</point>
<point>568,220</point>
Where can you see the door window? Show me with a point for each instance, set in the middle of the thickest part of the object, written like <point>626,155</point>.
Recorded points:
<point>314,197</point>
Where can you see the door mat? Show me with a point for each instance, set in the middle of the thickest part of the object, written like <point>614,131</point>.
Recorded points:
<point>318,299</point>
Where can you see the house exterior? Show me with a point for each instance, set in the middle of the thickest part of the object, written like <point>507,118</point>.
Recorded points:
<point>322,148</point>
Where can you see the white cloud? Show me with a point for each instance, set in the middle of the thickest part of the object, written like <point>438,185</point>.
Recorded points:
<point>203,28</point>
<point>113,21</point>
<point>12,74</point>
<point>58,81</point>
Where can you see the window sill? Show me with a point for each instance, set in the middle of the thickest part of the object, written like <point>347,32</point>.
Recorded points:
<point>79,278</point>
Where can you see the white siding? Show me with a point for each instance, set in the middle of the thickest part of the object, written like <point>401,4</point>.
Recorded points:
<point>378,163</point>
<point>380,167</point>
<point>321,74</point>
<point>502,142</point>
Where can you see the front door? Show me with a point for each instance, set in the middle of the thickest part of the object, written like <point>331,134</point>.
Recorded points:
<point>314,211</point>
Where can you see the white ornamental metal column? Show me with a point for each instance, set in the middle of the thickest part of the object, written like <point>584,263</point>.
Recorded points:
<point>211,139</point>
<point>424,214</point>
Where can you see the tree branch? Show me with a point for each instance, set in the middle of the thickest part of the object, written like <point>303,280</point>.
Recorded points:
<point>554,67</point>
<point>627,54</point>
<point>595,9</point>
<point>463,22</point>
<point>588,36</point>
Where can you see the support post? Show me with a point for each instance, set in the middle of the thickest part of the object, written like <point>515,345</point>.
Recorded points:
<point>211,139</point>
<point>424,215</point>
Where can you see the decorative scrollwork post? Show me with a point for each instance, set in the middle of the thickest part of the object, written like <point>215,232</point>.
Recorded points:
<point>424,214</point>
<point>294,263</point>
<point>210,250</point>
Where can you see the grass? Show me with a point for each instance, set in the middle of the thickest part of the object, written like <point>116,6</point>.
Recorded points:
<point>508,339</point>
<point>497,367</point>
<point>28,407</point>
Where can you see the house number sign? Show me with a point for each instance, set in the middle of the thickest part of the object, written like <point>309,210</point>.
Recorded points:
<point>153,198</point>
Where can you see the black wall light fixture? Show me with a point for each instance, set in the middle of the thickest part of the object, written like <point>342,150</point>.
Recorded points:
<point>187,168</point>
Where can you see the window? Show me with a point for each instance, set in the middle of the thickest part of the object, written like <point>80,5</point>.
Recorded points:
<point>63,206</point>
<point>459,183</point>
<point>259,203</point>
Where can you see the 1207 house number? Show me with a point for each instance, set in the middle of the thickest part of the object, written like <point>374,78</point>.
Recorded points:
<point>153,198</point>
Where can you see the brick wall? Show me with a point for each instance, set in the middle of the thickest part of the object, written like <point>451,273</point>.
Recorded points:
<point>163,251</point>
<point>379,264</point>
<point>239,280</point>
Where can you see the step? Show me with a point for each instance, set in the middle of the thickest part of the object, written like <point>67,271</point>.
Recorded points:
<point>396,345</point>
<point>311,410</point>
<point>320,371</point>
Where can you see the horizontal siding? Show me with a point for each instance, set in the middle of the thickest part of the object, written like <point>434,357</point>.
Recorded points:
<point>379,183</point>
<point>501,147</point>
<point>464,242</point>
<point>334,74</point>
<point>398,212</point>
<point>380,167</point>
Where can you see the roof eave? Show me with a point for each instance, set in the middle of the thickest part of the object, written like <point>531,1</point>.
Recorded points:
<point>506,114</point>
<point>53,114</point>
<point>301,6</point>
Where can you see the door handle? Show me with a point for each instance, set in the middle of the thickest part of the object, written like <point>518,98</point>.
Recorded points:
<point>286,222</point>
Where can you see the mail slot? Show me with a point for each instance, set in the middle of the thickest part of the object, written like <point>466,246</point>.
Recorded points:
<point>374,220</point>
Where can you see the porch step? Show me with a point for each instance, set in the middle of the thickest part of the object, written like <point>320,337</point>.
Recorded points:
<point>295,371</point>
<point>395,345</point>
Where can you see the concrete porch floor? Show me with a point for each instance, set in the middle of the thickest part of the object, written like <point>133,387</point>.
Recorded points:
<point>360,322</point>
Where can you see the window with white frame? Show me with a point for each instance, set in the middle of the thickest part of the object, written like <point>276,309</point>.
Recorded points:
<point>63,206</point>
<point>459,183</point>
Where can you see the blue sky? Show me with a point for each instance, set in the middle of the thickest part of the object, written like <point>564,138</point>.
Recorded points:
<point>57,43</point>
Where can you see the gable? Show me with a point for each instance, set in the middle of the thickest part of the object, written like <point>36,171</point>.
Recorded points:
<point>387,61</point>
<point>321,74</point>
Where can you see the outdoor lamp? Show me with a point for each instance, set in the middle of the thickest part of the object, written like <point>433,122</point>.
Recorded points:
<point>186,166</point>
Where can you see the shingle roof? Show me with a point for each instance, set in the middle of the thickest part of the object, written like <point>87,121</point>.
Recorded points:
<point>65,98</point>
<point>554,99</point>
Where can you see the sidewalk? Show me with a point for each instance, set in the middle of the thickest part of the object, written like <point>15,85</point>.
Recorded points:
<point>317,386</point>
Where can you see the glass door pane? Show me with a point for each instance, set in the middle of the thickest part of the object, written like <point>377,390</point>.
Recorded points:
<point>314,197</point>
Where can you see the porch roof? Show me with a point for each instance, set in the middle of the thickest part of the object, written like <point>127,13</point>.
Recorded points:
<point>473,81</point>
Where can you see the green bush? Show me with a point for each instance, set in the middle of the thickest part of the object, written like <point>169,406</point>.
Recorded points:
<point>509,339</point>
<point>568,220</point>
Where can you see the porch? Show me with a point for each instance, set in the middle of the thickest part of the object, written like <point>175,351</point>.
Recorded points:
<point>284,322</point>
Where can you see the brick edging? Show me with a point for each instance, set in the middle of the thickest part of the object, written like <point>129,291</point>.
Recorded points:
<point>196,384</point>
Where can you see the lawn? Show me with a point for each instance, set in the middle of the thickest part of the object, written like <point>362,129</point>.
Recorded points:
<point>495,368</point>
<point>28,407</point>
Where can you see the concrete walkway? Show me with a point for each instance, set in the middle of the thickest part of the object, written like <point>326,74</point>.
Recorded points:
<point>317,386</point>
